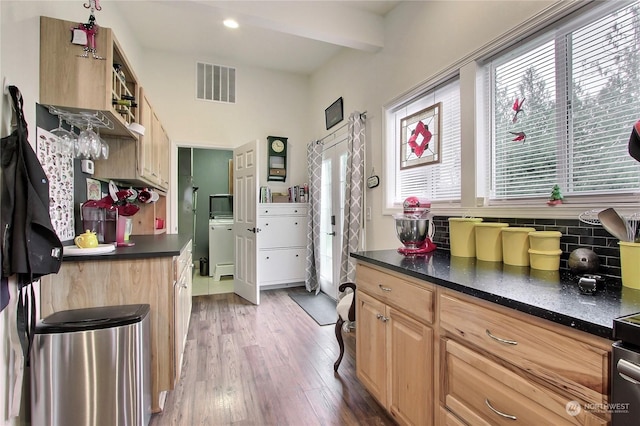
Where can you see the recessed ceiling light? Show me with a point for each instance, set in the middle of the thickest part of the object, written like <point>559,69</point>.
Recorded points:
<point>230,23</point>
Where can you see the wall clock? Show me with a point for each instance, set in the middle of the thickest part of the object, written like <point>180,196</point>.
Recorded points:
<point>276,158</point>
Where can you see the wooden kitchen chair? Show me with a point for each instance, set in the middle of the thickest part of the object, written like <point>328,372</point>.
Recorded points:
<point>346,313</point>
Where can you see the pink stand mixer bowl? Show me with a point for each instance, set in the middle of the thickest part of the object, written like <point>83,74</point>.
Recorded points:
<point>414,227</point>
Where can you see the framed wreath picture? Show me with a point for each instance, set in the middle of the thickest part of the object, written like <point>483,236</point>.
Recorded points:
<point>420,137</point>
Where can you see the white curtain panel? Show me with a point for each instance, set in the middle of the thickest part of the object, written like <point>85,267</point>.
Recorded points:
<point>353,197</point>
<point>314,169</point>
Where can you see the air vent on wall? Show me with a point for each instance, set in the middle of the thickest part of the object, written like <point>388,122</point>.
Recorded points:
<point>215,83</point>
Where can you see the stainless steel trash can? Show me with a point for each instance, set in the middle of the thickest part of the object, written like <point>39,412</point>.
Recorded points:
<point>92,367</point>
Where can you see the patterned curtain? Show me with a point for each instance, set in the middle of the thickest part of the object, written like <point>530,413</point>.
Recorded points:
<point>314,169</point>
<point>353,197</point>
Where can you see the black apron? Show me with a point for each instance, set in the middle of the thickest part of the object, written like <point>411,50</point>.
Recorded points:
<point>30,245</point>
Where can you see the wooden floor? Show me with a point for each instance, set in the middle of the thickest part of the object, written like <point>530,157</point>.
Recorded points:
<point>265,365</point>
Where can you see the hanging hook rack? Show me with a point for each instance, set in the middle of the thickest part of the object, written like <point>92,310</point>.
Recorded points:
<point>93,5</point>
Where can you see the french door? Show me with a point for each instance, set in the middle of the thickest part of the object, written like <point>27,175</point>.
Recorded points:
<point>334,166</point>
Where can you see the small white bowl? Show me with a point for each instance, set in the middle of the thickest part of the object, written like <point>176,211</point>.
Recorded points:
<point>137,128</point>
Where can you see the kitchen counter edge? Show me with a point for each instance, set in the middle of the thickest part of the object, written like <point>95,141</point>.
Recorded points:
<point>557,300</point>
<point>146,246</point>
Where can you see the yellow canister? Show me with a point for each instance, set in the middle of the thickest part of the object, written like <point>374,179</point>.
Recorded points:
<point>489,241</point>
<point>545,240</point>
<point>462,237</point>
<point>630,264</point>
<point>545,260</point>
<point>515,246</point>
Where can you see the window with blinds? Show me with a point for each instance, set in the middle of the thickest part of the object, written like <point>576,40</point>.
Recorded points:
<point>563,106</point>
<point>437,182</point>
<point>215,83</point>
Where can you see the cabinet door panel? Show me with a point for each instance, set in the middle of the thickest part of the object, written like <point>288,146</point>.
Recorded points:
<point>282,231</point>
<point>572,363</point>
<point>371,346</point>
<point>281,266</point>
<point>146,142</point>
<point>413,298</point>
<point>411,351</point>
<point>476,387</point>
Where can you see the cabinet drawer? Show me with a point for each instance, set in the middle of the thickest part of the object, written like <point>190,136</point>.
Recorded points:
<point>285,209</point>
<point>182,261</point>
<point>281,266</point>
<point>282,231</point>
<point>563,358</point>
<point>411,298</point>
<point>481,391</point>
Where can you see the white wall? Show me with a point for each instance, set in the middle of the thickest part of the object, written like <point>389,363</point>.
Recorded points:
<point>421,39</point>
<point>267,103</point>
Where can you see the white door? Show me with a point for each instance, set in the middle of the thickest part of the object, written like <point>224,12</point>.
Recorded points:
<point>334,165</point>
<point>245,225</point>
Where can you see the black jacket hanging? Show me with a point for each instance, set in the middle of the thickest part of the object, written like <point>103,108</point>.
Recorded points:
<point>30,245</point>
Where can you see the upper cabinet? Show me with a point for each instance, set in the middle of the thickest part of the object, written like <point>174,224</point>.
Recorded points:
<point>154,146</point>
<point>74,82</point>
<point>103,85</point>
<point>145,163</point>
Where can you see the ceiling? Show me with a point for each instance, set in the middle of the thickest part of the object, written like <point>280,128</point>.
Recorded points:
<point>293,36</point>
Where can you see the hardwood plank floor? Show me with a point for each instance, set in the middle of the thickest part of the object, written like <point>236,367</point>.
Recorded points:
<point>265,365</point>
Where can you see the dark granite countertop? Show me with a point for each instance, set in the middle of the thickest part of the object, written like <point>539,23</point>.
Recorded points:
<point>544,294</point>
<point>146,246</point>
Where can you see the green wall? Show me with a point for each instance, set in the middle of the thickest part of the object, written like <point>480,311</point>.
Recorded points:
<point>211,176</point>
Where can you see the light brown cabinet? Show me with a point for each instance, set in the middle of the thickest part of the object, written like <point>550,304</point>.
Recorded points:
<point>154,146</point>
<point>432,355</point>
<point>482,391</point>
<point>499,364</point>
<point>125,281</point>
<point>84,84</point>
<point>145,163</point>
<point>394,344</point>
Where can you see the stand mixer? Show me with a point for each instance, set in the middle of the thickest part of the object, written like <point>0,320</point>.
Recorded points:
<point>414,227</point>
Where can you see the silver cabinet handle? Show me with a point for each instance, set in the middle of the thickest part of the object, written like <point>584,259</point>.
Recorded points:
<point>382,318</point>
<point>384,288</point>
<point>506,416</point>
<point>508,342</point>
<point>629,371</point>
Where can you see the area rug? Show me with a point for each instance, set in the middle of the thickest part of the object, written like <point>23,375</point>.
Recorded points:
<point>319,306</point>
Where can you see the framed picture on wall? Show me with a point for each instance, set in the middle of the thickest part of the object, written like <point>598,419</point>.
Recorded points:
<point>420,137</point>
<point>334,114</point>
<point>93,189</point>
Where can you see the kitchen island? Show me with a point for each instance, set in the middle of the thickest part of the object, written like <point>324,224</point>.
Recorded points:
<point>157,270</point>
<point>447,340</point>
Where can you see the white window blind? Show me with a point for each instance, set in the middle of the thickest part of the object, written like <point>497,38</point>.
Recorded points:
<point>215,83</point>
<point>579,89</point>
<point>437,182</point>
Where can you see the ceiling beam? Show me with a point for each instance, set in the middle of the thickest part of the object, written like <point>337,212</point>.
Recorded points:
<point>330,21</point>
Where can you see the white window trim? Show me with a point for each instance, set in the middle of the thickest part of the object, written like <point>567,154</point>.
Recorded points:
<point>473,198</point>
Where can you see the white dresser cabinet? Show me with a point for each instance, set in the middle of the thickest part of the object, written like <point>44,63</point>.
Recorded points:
<point>282,243</point>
